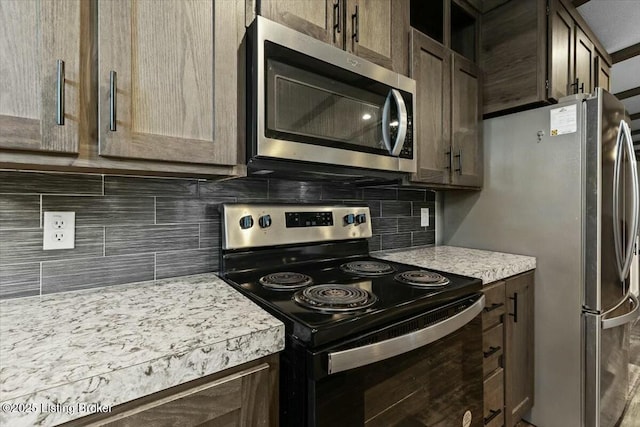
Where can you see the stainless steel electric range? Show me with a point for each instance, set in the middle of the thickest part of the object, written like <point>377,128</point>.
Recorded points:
<point>368,342</point>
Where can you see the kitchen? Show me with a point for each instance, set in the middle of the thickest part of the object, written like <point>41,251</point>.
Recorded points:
<point>137,151</point>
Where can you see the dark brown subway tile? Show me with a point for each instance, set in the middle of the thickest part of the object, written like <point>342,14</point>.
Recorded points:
<point>412,195</point>
<point>113,210</point>
<point>340,192</point>
<point>410,223</point>
<point>374,243</point>
<point>373,205</point>
<point>150,238</point>
<point>431,196</point>
<point>19,211</point>
<point>181,263</point>
<point>396,208</point>
<point>19,280</point>
<point>138,186</point>
<point>380,193</point>
<point>20,246</point>
<point>86,273</point>
<point>421,238</point>
<point>394,241</point>
<point>210,234</point>
<point>241,188</point>
<point>171,210</point>
<point>49,183</point>
<point>295,190</point>
<point>384,225</point>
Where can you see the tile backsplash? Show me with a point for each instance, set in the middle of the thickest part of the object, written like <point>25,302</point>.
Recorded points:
<point>131,229</point>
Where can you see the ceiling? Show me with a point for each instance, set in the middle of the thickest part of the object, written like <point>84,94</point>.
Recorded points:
<point>616,23</point>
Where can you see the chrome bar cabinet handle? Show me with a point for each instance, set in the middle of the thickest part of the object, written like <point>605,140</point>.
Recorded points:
<point>337,27</point>
<point>355,21</point>
<point>60,93</point>
<point>113,85</point>
<point>459,156</point>
<point>515,307</point>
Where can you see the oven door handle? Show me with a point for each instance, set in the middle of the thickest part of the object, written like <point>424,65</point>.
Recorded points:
<point>361,356</point>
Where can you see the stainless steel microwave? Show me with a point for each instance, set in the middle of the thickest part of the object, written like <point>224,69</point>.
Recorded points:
<point>316,109</point>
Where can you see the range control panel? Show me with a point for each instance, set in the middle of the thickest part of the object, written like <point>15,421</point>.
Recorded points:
<point>247,226</point>
<point>308,219</point>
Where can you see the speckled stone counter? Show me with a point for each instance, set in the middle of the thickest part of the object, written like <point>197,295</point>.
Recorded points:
<point>486,265</point>
<point>111,345</point>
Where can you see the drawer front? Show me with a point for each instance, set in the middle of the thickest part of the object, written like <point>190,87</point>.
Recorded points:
<point>494,304</point>
<point>494,399</point>
<point>493,349</point>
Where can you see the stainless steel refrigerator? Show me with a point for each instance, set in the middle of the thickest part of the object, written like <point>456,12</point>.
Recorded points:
<point>561,184</point>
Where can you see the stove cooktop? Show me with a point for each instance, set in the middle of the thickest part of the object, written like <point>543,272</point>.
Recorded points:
<point>365,299</point>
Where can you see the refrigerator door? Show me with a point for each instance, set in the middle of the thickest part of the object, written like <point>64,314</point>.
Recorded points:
<point>611,197</point>
<point>607,364</point>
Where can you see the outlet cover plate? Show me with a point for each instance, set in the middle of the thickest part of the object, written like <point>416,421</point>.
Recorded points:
<point>424,217</point>
<point>59,230</point>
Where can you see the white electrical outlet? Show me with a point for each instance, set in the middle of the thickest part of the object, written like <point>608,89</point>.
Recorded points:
<point>424,217</point>
<point>59,230</point>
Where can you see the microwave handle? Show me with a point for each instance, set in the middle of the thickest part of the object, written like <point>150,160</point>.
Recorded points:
<point>402,123</point>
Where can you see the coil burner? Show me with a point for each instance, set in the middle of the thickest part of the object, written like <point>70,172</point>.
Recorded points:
<point>367,268</point>
<point>285,281</point>
<point>422,279</point>
<point>334,298</point>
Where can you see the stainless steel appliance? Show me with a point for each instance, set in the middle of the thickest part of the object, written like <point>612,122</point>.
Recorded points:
<point>368,342</point>
<point>338,114</point>
<point>562,185</point>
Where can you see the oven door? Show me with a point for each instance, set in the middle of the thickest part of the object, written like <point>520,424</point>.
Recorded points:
<point>313,102</point>
<point>428,374</point>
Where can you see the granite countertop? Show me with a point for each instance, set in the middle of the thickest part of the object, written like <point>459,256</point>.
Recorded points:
<point>112,345</point>
<point>486,265</point>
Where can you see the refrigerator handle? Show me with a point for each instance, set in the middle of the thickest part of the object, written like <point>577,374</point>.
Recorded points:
<point>635,204</point>
<point>625,318</point>
<point>617,239</point>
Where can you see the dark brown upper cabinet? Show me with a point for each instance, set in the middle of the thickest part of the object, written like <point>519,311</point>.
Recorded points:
<point>376,30</point>
<point>537,51</point>
<point>448,139</point>
<point>142,87</point>
<point>43,97</point>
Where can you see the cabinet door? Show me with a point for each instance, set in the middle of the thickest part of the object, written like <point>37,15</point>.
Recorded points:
<point>378,30</point>
<point>240,399</point>
<point>519,347</point>
<point>168,80</point>
<point>40,107</point>
<point>560,51</point>
<point>513,55</point>
<point>602,73</point>
<point>321,19</point>
<point>431,69</point>
<point>466,140</point>
<point>584,63</point>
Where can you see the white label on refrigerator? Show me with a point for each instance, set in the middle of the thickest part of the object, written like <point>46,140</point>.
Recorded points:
<point>564,120</point>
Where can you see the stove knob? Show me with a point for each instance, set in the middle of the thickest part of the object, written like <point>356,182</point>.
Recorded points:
<point>265,221</point>
<point>361,218</point>
<point>349,219</point>
<point>246,222</point>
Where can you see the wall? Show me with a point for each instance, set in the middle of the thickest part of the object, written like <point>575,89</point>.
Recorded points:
<point>132,229</point>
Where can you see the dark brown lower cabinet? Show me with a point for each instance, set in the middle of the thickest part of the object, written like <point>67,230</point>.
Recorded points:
<point>246,395</point>
<point>507,341</point>
<point>519,341</point>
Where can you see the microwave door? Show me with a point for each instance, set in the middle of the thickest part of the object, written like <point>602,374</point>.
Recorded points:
<point>306,107</point>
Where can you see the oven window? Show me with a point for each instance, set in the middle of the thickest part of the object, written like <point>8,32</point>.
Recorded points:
<point>439,384</point>
<point>435,385</point>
